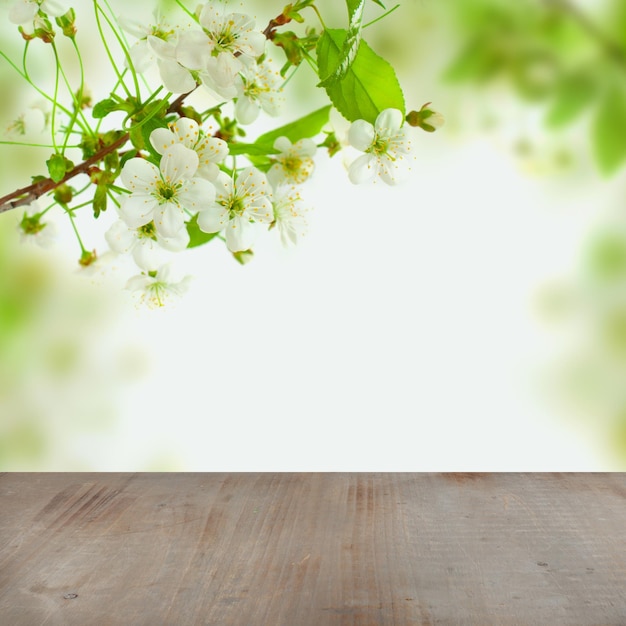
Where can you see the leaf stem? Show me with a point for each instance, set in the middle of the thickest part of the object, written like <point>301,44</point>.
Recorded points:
<point>380,17</point>
<point>99,10</point>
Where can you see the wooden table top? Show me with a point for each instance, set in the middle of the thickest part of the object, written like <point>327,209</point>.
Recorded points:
<point>312,549</point>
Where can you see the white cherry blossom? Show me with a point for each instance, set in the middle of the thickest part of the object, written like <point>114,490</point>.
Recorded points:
<point>185,131</point>
<point>213,51</point>
<point>156,287</point>
<point>294,163</point>
<point>143,243</point>
<point>386,145</point>
<point>258,89</point>
<point>33,230</point>
<point>161,194</point>
<point>241,206</point>
<point>30,123</point>
<point>289,215</point>
<point>156,43</point>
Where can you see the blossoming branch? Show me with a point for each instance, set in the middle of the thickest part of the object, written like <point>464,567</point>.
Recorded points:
<point>178,177</point>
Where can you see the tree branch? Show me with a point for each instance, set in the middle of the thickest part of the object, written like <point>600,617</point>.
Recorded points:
<point>26,195</point>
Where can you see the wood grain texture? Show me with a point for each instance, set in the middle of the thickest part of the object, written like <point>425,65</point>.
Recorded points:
<point>300,549</point>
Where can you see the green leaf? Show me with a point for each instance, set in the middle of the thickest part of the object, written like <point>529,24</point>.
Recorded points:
<point>573,95</point>
<point>251,149</point>
<point>100,199</point>
<point>58,166</point>
<point>197,237</point>
<point>307,126</point>
<point>104,107</point>
<point>350,44</point>
<point>369,86</point>
<point>609,131</point>
<point>476,62</point>
<point>146,131</point>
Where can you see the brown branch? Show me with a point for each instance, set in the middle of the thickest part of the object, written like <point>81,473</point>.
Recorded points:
<point>29,194</point>
<point>26,195</point>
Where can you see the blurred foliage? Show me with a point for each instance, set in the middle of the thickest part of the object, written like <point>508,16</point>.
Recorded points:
<point>568,57</point>
<point>58,366</point>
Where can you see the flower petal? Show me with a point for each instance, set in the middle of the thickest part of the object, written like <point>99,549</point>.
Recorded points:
<point>53,8</point>
<point>305,147</point>
<point>251,182</point>
<point>147,255</point>
<point>138,209</point>
<point>120,237</point>
<point>240,234</point>
<point>169,219</point>
<point>193,49</point>
<point>361,135</point>
<point>213,219</point>
<point>187,131</point>
<point>389,120</point>
<point>140,176</point>
<point>175,77</point>
<point>282,144</point>
<point>141,56</point>
<point>364,169</point>
<point>177,243</point>
<point>246,110</point>
<point>177,163</point>
<point>133,27</point>
<point>22,12</point>
<point>196,195</point>
<point>162,139</point>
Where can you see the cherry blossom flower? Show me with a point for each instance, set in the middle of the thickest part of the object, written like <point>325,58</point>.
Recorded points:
<point>294,164</point>
<point>241,205</point>
<point>156,287</point>
<point>289,215</point>
<point>34,230</point>
<point>386,145</point>
<point>25,11</point>
<point>156,43</point>
<point>143,243</point>
<point>258,88</point>
<point>214,50</point>
<point>161,194</point>
<point>30,123</point>
<point>185,131</point>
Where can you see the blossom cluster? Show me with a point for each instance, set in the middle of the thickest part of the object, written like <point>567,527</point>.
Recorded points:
<point>189,182</point>
<point>186,179</point>
<point>222,50</point>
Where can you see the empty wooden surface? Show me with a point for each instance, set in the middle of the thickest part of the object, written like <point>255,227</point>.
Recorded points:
<point>305,549</point>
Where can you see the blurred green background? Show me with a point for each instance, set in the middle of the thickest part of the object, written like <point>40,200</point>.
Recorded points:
<point>543,80</point>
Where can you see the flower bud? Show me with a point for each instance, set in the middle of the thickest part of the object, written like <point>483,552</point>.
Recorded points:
<point>331,143</point>
<point>43,29</point>
<point>243,256</point>
<point>31,224</point>
<point>63,194</point>
<point>67,23</point>
<point>87,258</point>
<point>426,119</point>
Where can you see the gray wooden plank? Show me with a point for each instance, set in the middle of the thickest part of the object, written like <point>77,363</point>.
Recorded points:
<point>298,549</point>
